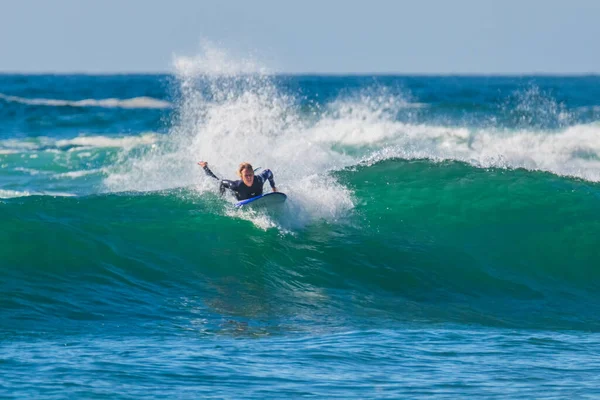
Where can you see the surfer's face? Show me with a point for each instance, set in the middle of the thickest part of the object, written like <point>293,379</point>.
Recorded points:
<point>248,176</point>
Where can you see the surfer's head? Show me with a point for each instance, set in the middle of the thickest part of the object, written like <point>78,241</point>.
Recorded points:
<point>246,172</point>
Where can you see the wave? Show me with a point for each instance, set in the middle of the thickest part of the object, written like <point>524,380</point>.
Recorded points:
<point>231,111</point>
<point>418,263</point>
<point>11,194</point>
<point>125,142</point>
<point>133,103</point>
<point>83,142</point>
<point>78,174</point>
<point>573,152</point>
<point>380,220</point>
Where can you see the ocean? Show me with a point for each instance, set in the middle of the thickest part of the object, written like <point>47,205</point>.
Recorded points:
<point>440,238</point>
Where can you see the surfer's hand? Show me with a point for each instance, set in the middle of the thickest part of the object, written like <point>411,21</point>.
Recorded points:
<point>203,164</point>
<point>274,189</point>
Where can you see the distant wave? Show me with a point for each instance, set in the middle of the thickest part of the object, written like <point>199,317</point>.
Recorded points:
<point>15,146</point>
<point>126,142</point>
<point>574,151</point>
<point>78,174</point>
<point>10,194</point>
<point>136,102</point>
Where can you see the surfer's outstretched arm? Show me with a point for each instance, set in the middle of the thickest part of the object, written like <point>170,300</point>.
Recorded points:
<point>207,170</point>
<point>224,183</point>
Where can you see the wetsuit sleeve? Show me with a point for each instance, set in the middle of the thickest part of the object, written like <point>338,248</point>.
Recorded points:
<point>268,175</point>
<point>209,172</point>
<point>225,184</point>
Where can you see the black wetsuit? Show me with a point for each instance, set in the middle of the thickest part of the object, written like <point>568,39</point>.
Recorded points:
<point>239,188</point>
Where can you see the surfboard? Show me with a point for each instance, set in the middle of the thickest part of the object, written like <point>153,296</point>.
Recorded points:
<point>264,200</point>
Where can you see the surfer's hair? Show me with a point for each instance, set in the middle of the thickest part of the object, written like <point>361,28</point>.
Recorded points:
<point>243,166</point>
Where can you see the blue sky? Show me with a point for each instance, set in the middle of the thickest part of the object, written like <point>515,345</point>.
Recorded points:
<point>376,36</point>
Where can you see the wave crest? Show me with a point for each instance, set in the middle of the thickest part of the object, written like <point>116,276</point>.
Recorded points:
<point>133,103</point>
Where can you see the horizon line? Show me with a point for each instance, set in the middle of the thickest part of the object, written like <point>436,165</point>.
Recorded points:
<point>332,74</point>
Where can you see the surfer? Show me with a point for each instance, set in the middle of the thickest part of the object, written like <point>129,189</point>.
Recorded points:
<point>249,186</point>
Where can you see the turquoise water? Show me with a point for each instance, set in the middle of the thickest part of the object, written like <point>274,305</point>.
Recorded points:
<point>439,239</point>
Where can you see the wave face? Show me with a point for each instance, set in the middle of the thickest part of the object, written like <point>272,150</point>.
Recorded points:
<point>426,214</point>
<point>418,241</point>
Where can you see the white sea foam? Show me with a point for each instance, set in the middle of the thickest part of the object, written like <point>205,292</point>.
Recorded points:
<point>125,142</point>
<point>78,174</point>
<point>573,151</point>
<point>9,194</point>
<point>48,144</point>
<point>239,117</point>
<point>29,171</point>
<point>136,102</point>
<point>213,61</point>
<point>16,146</point>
